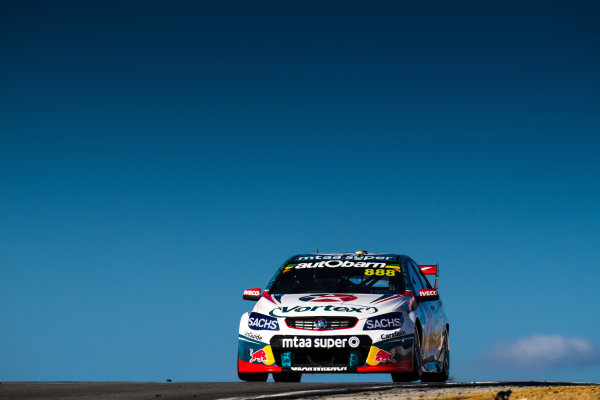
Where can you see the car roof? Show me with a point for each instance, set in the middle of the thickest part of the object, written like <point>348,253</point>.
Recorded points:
<point>350,256</point>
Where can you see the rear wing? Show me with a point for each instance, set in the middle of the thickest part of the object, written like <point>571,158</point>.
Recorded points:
<point>432,270</point>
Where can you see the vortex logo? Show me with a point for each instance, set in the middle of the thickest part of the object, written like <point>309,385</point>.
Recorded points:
<point>353,342</point>
<point>328,298</point>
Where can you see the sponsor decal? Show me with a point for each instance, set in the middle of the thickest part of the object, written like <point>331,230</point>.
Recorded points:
<point>288,268</point>
<point>260,322</point>
<point>392,335</point>
<point>344,257</point>
<point>387,297</point>
<point>252,292</point>
<point>319,342</point>
<point>383,356</point>
<point>380,272</point>
<point>341,264</point>
<point>320,369</point>
<point>428,292</point>
<point>377,356</point>
<point>354,342</point>
<point>281,311</point>
<point>328,298</point>
<point>385,322</point>
<point>253,335</point>
<point>264,355</point>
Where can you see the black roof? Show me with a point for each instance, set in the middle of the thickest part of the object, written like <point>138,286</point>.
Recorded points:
<point>350,256</point>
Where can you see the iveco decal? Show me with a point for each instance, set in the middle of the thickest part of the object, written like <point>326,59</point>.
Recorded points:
<point>280,311</point>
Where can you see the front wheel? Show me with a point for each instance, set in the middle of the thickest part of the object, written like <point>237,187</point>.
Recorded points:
<point>415,375</point>
<point>443,375</point>
<point>287,376</point>
<point>259,377</point>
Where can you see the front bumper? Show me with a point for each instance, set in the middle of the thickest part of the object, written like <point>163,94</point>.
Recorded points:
<point>376,352</point>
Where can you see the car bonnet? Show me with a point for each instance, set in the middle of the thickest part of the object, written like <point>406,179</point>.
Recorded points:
<point>329,304</point>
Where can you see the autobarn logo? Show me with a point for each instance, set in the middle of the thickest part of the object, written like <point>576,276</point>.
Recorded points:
<point>284,311</point>
<point>328,298</point>
<point>340,264</point>
<point>319,342</point>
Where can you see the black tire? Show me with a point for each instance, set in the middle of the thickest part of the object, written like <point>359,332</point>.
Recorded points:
<point>415,375</point>
<point>444,374</point>
<point>287,376</point>
<point>259,377</point>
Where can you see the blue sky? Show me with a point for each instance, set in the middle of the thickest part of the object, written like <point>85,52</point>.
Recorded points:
<point>157,158</point>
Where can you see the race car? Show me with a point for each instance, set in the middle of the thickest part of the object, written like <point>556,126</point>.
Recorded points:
<point>346,313</point>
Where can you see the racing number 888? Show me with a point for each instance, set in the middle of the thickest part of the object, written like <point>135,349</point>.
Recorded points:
<point>380,272</point>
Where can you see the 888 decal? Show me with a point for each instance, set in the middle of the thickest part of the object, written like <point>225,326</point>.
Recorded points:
<point>380,272</point>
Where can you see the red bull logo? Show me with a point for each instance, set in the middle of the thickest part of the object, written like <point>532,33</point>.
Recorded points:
<point>383,356</point>
<point>264,355</point>
<point>258,356</point>
<point>379,356</point>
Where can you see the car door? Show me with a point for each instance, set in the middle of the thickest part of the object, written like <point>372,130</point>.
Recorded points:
<point>428,312</point>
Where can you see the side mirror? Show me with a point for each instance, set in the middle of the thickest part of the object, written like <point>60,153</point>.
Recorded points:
<point>252,294</point>
<point>428,294</point>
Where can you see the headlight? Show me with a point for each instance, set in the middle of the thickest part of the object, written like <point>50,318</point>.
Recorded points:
<point>385,322</point>
<point>260,322</point>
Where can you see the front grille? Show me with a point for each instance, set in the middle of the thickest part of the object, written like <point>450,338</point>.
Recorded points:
<point>331,322</point>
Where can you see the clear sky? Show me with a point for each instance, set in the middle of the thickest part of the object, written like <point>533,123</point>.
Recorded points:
<point>157,158</point>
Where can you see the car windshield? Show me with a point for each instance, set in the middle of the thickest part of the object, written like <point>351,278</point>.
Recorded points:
<point>377,278</point>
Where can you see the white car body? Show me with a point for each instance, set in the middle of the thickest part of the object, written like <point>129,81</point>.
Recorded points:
<point>288,334</point>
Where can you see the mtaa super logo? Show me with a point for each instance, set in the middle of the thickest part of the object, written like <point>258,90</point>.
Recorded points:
<point>260,322</point>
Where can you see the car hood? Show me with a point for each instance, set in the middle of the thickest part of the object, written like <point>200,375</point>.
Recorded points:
<point>329,304</point>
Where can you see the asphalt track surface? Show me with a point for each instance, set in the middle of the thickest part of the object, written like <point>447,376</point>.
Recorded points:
<point>226,390</point>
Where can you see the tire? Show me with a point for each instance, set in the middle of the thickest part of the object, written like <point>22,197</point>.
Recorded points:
<point>415,375</point>
<point>443,375</point>
<point>287,376</point>
<point>259,377</point>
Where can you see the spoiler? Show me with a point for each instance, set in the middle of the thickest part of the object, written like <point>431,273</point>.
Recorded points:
<point>432,270</point>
